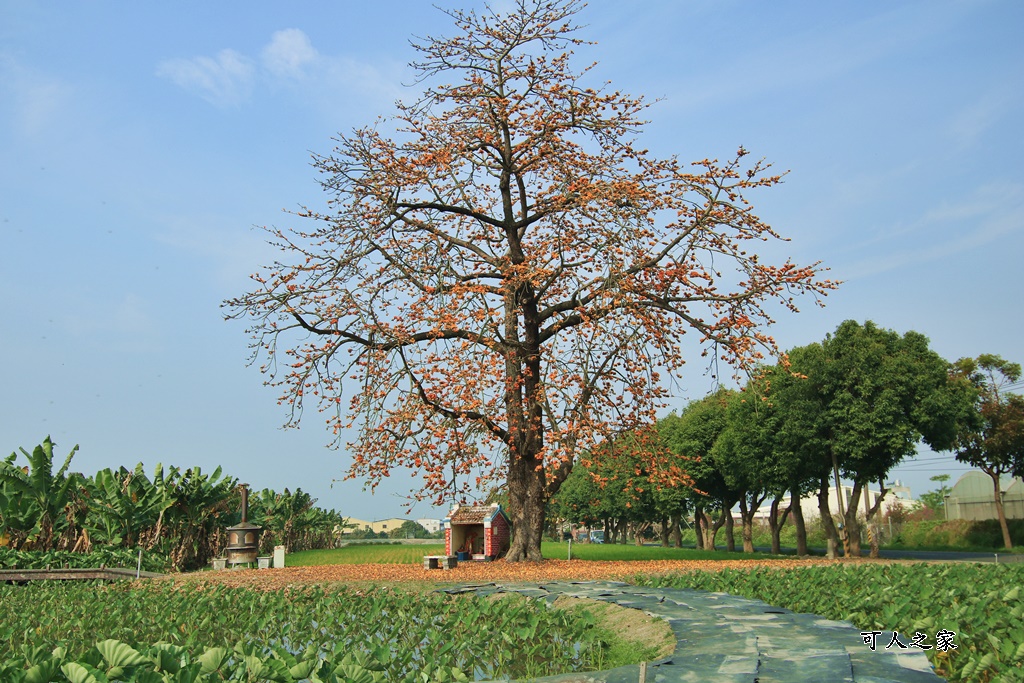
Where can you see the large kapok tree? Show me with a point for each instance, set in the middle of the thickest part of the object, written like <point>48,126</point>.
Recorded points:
<point>502,272</point>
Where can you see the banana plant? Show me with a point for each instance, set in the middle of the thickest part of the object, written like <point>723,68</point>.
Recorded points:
<point>293,520</point>
<point>43,501</point>
<point>124,505</point>
<point>200,506</point>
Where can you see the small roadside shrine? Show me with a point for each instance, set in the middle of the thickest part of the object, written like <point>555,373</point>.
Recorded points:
<point>477,532</point>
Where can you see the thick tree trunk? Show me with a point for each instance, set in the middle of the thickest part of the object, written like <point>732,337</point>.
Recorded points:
<point>664,532</point>
<point>730,531</point>
<point>677,532</point>
<point>831,535</point>
<point>852,524</point>
<point>711,532</point>
<point>747,521</point>
<point>798,522</point>
<point>776,522</point>
<point>526,495</point>
<point>639,530</point>
<point>1000,511</point>
<point>699,525</point>
<point>871,513</point>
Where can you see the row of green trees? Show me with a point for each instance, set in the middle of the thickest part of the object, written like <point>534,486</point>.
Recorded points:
<point>853,406</point>
<point>180,513</point>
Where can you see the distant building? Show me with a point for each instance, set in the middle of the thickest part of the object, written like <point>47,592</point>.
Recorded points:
<point>386,525</point>
<point>352,524</point>
<point>973,497</point>
<point>431,525</point>
<point>895,493</point>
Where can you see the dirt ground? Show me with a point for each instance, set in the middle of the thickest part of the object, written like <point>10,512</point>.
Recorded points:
<point>478,572</point>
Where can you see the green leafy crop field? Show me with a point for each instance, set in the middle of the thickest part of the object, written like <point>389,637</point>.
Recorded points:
<point>96,633</point>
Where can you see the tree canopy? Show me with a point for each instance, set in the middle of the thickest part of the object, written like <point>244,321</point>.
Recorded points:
<point>873,395</point>
<point>993,441</point>
<point>503,273</point>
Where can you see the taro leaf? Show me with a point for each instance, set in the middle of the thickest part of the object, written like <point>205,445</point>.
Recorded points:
<point>41,673</point>
<point>11,672</point>
<point>83,673</point>
<point>164,657</point>
<point>93,659</point>
<point>148,677</point>
<point>382,655</point>
<point>282,654</point>
<point>304,669</point>
<point>188,674</point>
<point>275,670</point>
<point>256,668</point>
<point>353,673</point>
<point>35,654</point>
<point>118,654</point>
<point>213,659</point>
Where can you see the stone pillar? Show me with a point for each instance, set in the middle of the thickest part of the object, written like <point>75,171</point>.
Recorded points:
<point>278,556</point>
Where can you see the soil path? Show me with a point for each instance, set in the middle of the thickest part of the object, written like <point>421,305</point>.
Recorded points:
<point>482,572</point>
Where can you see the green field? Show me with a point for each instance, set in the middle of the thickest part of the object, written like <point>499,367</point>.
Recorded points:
<point>168,633</point>
<point>413,553</point>
<point>365,554</point>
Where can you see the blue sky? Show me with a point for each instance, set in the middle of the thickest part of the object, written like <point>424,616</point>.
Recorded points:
<point>141,142</point>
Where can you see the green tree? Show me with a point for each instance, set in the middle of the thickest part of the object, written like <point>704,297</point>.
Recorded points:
<point>936,500</point>
<point>994,440</point>
<point>763,452</point>
<point>409,529</point>
<point>691,435</point>
<point>744,455</point>
<point>878,394</point>
<point>579,499</point>
<point>799,446</point>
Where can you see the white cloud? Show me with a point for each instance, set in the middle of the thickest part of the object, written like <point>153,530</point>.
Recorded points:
<point>224,80</point>
<point>288,54</point>
<point>289,59</point>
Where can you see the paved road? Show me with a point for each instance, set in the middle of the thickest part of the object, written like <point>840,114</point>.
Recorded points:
<point>950,556</point>
<point>728,639</point>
